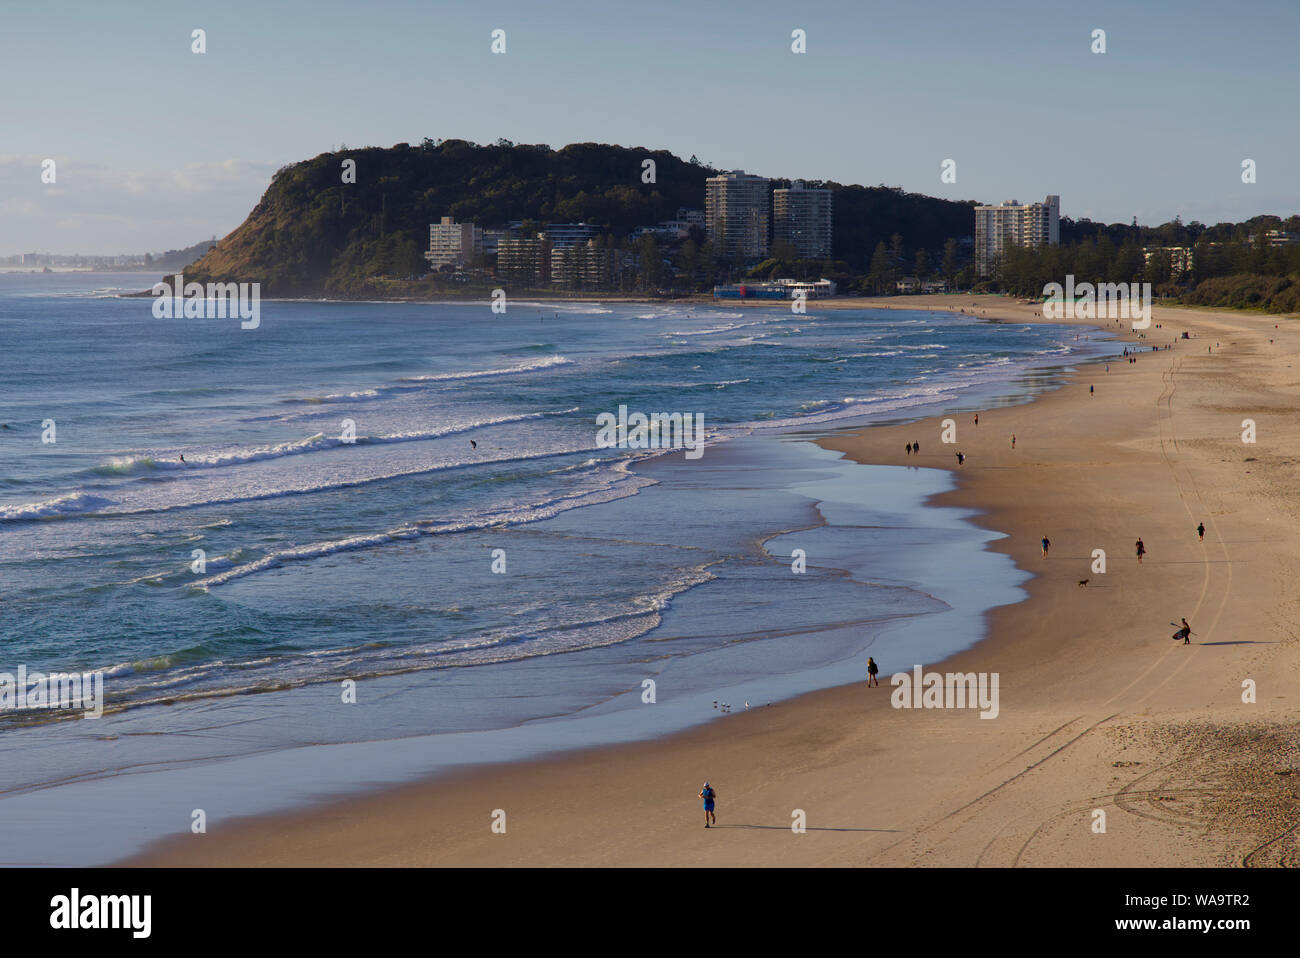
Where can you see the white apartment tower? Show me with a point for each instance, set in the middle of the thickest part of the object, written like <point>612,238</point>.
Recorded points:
<point>736,215</point>
<point>452,243</point>
<point>1014,224</point>
<point>802,218</point>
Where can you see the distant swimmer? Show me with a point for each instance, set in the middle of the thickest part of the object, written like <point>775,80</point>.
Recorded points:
<point>473,444</point>
<point>182,457</point>
<point>1200,530</point>
<point>708,794</point>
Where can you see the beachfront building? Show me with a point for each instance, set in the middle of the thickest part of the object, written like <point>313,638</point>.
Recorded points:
<point>452,243</point>
<point>802,218</point>
<point>591,266</point>
<point>1276,239</point>
<point>736,215</point>
<point>492,239</point>
<point>524,261</point>
<point>564,235</point>
<point>998,228</point>
<point>776,289</point>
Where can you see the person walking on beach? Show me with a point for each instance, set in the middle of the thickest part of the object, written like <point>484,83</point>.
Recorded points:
<point>961,458</point>
<point>977,419</point>
<point>1184,633</point>
<point>1047,544</point>
<point>708,794</point>
<point>1141,549</point>
<point>1200,530</point>
<point>872,669</point>
<point>1091,390</point>
<point>1013,440</point>
<point>909,448</point>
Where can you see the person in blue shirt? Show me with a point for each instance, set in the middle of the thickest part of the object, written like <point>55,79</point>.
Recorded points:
<point>708,794</point>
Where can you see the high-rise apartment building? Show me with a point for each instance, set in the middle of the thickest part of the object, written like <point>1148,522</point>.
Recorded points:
<point>452,243</point>
<point>802,218</point>
<point>736,213</point>
<point>1014,224</point>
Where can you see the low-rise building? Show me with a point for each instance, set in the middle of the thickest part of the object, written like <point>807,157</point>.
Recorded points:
<point>591,266</point>
<point>776,289</point>
<point>523,261</point>
<point>563,235</point>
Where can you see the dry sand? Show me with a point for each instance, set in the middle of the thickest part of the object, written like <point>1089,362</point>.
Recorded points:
<point>1100,711</point>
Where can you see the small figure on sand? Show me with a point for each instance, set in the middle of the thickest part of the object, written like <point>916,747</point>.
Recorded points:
<point>1200,530</point>
<point>1013,440</point>
<point>708,794</point>
<point>1047,544</point>
<point>916,448</point>
<point>1091,390</point>
<point>872,669</point>
<point>1184,633</point>
<point>977,419</point>
<point>1141,549</point>
<point>961,458</point>
<point>909,448</point>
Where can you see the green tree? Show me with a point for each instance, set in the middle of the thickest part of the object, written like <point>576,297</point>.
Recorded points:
<point>883,274</point>
<point>950,262</point>
<point>650,266</point>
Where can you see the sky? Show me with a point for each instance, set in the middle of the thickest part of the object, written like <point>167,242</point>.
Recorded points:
<point>158,147</point>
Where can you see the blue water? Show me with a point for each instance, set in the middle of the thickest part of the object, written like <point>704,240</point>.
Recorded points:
<point>373,561</point>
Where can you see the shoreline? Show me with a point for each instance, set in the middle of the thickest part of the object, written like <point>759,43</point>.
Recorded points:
<point>948,759</point>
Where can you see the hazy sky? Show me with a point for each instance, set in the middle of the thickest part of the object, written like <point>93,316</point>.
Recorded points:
<point>158,147</point>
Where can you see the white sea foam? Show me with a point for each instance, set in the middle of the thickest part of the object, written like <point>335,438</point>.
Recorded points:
<point>74,503</point>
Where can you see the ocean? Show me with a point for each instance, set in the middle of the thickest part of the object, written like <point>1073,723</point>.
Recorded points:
<point>412,498</point>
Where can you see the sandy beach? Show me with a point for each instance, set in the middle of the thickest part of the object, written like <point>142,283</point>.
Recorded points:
<point>1113,745</point>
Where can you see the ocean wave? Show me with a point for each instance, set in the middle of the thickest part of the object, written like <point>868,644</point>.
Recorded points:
<point>532,366</point>
<point>74,503</point>
<point>123,465</point>
<point>620,484</point>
